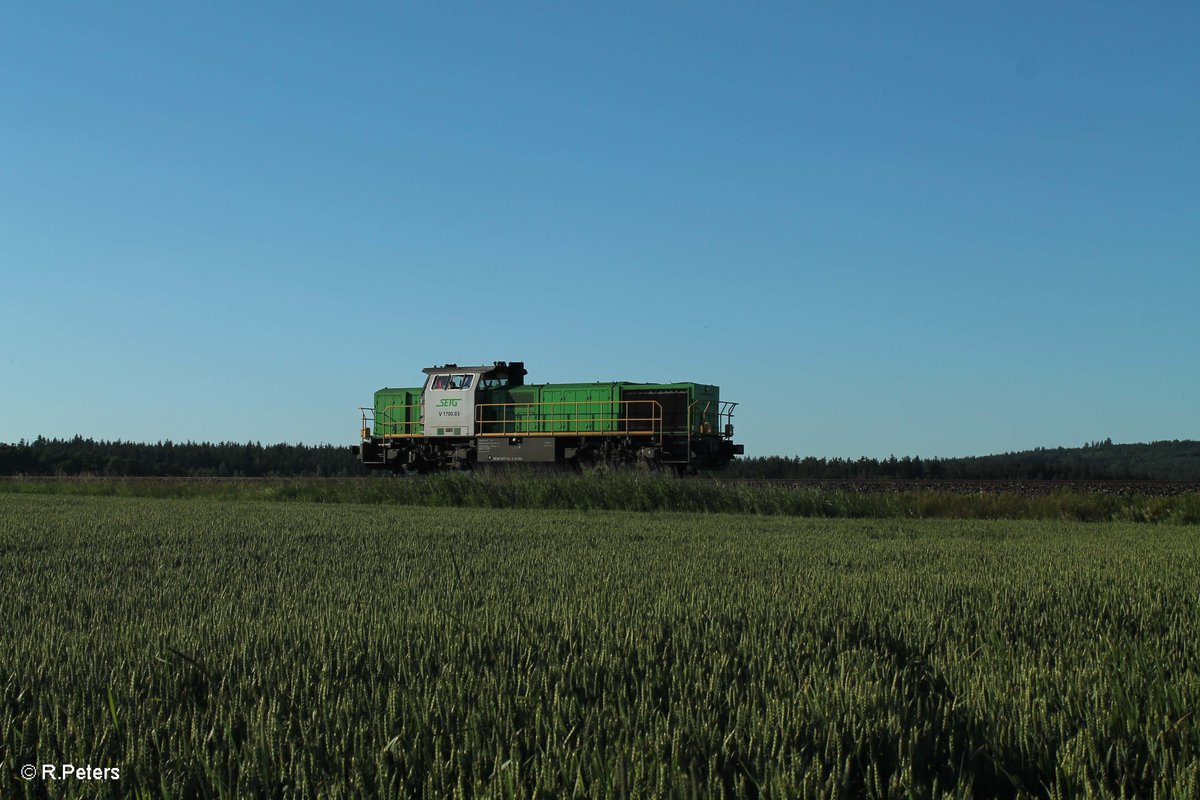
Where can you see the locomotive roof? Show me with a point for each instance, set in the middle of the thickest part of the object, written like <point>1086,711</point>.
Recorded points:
<point>455,368</point>
<point>498,366</point>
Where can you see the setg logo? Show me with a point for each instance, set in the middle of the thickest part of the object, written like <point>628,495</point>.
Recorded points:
<point>449,402</point>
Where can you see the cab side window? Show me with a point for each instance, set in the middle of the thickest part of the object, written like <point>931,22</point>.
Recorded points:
<point>456,381</point>
<point>441,381</point>
<point>467,381</point>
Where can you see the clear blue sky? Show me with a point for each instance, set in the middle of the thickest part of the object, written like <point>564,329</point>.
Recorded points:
<point>934,229</point>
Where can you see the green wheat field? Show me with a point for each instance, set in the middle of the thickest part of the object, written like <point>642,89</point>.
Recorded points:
<point>212,647</point>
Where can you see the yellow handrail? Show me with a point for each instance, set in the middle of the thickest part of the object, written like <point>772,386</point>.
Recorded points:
<point>539,415</point>
<point>404,421</point>
<point>407,421</point>
<point>725,412</point>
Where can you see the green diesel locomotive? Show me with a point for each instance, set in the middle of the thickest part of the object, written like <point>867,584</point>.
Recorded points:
<point>464,417</point>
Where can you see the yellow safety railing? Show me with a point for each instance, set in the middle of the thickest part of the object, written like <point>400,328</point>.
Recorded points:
<point>725,412</point>
<point>715,417</point>
<point>557,418</point>
<point>722,411</point>
<point>392,421</point>
<point>570,418</point>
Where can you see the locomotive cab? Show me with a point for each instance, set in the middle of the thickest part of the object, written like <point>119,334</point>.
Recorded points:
<point>451,394</point>
<point>448,405</point>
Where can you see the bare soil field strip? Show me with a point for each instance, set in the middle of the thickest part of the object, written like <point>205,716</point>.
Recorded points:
<point>1028,488</point>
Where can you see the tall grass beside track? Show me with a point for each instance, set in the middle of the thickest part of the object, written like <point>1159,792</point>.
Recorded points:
<point>266,649</point>
<point>637,492</point>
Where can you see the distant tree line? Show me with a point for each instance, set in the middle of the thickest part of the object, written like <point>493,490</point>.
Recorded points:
<point>1171,460</point>
<point>1101,460</point>
<point>80,456</point>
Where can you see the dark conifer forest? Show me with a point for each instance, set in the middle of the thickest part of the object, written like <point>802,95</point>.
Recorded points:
<point>1100,460</point>
<point>80,456</point>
